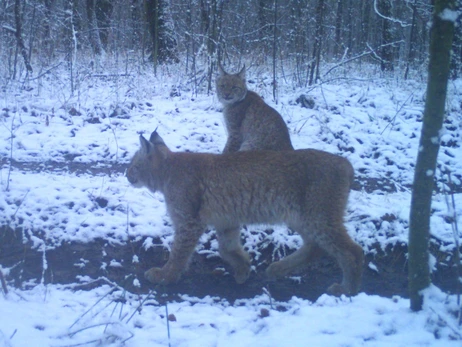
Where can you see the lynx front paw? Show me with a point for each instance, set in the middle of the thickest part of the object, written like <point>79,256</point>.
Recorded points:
<point>339,290</point>
<point>157,275</point>
<point>242,274</point>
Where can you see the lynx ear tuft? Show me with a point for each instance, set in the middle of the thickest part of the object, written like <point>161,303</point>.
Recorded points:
<point>155,139</point>
<point>241,73</point>
<point>221,71</point>
<point>145,144</point>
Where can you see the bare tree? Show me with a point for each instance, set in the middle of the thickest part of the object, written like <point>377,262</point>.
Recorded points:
<point>411,51</point>
<point>307,33</point>
<point>93,30</point>
<point>212,18</point>
<point>163,43</point>
<point>419,221</point>
<point>338,45</point>
<point>386,52</point>
<point>456,58</point>
<point>19,39</point>
<point>317,43</point>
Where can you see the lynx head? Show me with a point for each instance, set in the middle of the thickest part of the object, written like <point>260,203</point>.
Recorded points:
<point>146,163</point>
<point>231,88</point>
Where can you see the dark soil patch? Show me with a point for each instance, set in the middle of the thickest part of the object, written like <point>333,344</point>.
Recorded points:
<point>69,262</point>
<point>87,265</point>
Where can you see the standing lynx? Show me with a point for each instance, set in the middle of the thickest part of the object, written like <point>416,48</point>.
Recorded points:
<point>250,122</point>
<point>305,189</point>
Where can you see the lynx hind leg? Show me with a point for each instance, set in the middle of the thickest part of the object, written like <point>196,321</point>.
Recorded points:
<point>349,256</point>
<point>292,262</point>
<point>233,253</point>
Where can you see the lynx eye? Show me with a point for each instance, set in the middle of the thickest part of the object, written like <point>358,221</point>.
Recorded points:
<point>236,89</point>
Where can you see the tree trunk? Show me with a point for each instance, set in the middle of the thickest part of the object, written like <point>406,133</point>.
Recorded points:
<point>317,43</point>
<point>71,39</point>
<point>275,46</point>
<point>103,12</point>
<point>365,22</point>
<point>456,58</point>
<point>93,29</point>
<point>386,53</point>
<point>48,44</point>
<point>264,22</point>
<point>338,46</point>
<point>19,39</point>
<point>163,45</point>
<point>212,16</point>
<point>411,53</point>
<point>419,221</point>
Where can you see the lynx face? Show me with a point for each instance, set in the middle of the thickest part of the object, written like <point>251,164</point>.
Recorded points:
<point>135,172</point>
<point>231,88</point>
<point>143,168</point>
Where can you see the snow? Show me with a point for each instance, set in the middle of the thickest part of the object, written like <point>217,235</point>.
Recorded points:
<point>60,316</point>
<point>374,122</point>
<point>449,15</point>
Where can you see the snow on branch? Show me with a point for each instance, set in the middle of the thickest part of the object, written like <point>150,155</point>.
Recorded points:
<point>449,15</point>
<point>394,20</point>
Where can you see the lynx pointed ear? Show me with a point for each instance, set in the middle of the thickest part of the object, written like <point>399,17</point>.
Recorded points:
<point>221,71</point>
<point>241,73</point>
<point>145,145</point>
<point>157,143</point>
<point>155,139</point>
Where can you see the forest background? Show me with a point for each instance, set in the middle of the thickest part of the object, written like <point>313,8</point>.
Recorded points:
<point>300,41</point>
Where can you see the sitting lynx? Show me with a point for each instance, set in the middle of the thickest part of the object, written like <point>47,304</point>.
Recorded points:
<point>250,122</point>
<point>305,189</point>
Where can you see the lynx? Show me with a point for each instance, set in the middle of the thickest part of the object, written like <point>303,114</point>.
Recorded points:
<point>305,189</point>
<point>251,124</point>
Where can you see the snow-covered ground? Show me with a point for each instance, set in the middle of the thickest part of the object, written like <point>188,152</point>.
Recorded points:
<point>56,316</point>
<point>374,122</point>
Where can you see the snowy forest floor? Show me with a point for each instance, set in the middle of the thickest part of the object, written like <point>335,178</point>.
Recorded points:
<point>62,264</point>
<point>71,225</point>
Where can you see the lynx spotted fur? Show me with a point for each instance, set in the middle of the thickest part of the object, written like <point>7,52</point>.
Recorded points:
<point>305,189</point>
<point>251,123</point>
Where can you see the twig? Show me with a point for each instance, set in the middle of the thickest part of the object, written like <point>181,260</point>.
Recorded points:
<point>267,292</point>
<point>96,303</point>
<point>394,20</point>
<point>11,155</point>
<point>128,338</point>
<point>24,198</point>
<point>85,343</point>
<point>454,330</point>
<point>141,304</point>
<point>396,114</point>
<point>45,72</point>
<point>110,75</point>
<point>117,144</point>
<point>14,333</point>
<point>168,323</point>
<point>455,232</point>
<point>371,51</point>
<point>2,280</point>
<point>90,327</point>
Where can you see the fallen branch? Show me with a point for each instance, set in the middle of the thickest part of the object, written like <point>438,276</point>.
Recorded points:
<point>371,51</point>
